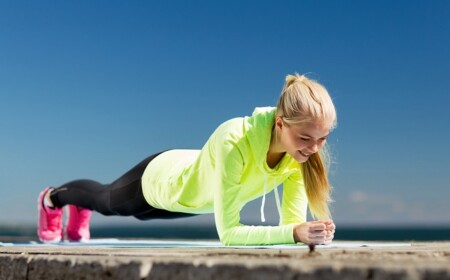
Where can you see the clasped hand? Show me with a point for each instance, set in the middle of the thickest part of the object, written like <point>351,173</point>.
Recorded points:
<point>315,232</point>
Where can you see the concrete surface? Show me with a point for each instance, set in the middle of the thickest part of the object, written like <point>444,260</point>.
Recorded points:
<point>430,261</point>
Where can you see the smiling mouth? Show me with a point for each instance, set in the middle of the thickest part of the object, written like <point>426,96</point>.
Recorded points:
<point>303,154</point>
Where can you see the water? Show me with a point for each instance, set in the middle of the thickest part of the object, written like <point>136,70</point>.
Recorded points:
<point>393,234</point>
<point>209,232</point>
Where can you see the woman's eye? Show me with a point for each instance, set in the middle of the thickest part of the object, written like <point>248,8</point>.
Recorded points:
<point>304,139</point>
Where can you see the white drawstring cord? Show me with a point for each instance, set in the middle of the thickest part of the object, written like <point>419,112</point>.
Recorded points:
<point>263,218</point>
<point>277,199</point>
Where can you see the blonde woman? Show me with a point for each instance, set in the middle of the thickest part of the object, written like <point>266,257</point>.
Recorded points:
<point>244,159</point>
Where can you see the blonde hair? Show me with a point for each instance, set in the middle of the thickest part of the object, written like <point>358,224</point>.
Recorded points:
<point>304,100</point>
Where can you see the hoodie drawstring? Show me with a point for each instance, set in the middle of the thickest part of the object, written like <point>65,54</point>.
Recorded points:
<point>277,199</point>
<point>263,218</point>
<point>263,202</point>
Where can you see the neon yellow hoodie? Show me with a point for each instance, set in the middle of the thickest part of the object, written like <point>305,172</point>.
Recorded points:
<point>229,171</point>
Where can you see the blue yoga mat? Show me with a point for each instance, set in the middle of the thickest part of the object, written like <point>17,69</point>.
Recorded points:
<point>120,243</point>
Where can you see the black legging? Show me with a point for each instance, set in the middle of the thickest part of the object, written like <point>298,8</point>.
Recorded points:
<point>122,197</point>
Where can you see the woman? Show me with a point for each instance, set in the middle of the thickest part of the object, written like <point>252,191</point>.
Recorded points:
<point>244,159</point>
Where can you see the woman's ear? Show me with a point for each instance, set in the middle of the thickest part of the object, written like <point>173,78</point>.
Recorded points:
<point>279,122</point>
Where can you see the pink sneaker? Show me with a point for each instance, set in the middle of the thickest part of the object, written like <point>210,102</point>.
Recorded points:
<point>49,227</point>
<point>78,224</point>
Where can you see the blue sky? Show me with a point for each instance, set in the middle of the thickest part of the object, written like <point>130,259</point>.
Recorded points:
<point>89,88</point>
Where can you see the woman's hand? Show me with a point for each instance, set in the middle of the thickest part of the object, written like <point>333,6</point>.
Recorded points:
<point>316,232</point>
<point>331,228</point>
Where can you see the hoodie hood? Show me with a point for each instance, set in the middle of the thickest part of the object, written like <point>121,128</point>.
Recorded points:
<point>259,132</point>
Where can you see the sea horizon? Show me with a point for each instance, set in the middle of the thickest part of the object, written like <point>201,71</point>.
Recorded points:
<point>353,232</point>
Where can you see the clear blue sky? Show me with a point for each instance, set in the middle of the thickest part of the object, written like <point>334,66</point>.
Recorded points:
<point>89,88</point>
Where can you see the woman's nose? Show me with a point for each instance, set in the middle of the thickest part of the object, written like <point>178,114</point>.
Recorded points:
<point>314,148</point>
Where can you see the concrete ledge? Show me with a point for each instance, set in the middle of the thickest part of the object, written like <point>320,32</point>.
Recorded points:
<point>420,261</point>
<point>66,267</point>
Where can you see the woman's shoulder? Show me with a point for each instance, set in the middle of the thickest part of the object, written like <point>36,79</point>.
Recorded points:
<point>231,127</point>
<point>261,115</point>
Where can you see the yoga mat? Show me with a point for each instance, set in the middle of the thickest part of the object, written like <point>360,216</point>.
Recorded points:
<point>120,243</point>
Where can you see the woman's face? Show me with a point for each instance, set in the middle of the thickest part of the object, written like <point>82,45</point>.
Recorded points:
<point>300,141</point>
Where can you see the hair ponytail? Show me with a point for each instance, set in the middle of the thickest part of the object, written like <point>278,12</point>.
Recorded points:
<point>317,186</point>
